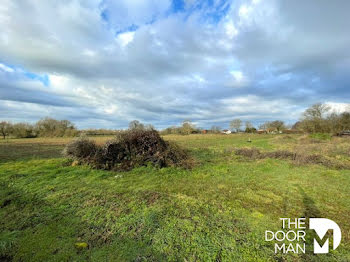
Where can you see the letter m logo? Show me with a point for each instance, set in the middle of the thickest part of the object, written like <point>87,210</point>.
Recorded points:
<point>321,226</point>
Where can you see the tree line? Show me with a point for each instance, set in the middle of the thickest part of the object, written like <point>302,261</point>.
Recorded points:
<point>46,127</point>
<point>319,119</point>
<point>236,125</point>
<point>315,119</point>
<point>277,126</point>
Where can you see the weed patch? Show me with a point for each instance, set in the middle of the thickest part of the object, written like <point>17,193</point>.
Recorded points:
<point>297,158</point>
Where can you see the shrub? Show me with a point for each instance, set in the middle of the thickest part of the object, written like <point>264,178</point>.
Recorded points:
<point>248,152</point>
<point>175,155</point>
<point>81,149</point>
<point>250,130</point>
<point>129,149</point>
<point>280,154</point>
<point>320,160</point>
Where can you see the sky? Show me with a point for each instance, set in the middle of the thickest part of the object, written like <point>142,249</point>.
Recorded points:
<point>104,63</point>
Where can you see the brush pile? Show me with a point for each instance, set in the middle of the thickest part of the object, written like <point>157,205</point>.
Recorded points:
<point>129,149</point>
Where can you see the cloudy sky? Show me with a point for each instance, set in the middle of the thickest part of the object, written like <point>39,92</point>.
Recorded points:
<point>103,63</point>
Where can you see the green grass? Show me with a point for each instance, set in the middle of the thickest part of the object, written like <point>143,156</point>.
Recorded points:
<point>321,136</point>
<point>217,211</point>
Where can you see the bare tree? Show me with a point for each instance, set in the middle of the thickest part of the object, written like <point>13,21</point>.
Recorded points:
<point>236,124</point>
<point>248,125</point>
<point>135,124</point>
<point>277,124</point>
<point>215,129</point>
<point>5,129</point>
<point>313,119</point>
<point>316,111</point>
<point>149,127</point>
<point>264,126</point>
<point>187,127</point>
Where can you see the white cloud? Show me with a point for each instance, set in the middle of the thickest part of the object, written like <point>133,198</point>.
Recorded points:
<point>199,79</point>
<point>6,68</point>
<point>339,107</point>
<point>244,11</point>
<point>238,75</point>
<point>125,38</point>
<point>112,109</point>
<point>139,61</point>
<point>231,30</point>
<point>89,52</point>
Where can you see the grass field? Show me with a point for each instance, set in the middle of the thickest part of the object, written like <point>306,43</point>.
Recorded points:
<point>218,211</point>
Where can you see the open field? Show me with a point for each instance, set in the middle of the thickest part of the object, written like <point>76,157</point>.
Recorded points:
<point>218,211</point>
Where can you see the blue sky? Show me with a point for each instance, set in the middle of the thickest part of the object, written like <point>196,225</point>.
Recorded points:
<point>104,63</point>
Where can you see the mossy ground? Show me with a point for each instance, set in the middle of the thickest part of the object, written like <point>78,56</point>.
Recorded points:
<point>218,211</point>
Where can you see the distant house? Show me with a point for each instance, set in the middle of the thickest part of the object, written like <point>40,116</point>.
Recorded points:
<point>291,131</point>
<point>271,130</point>
<point>226,131</point>
<point>261,131</point>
